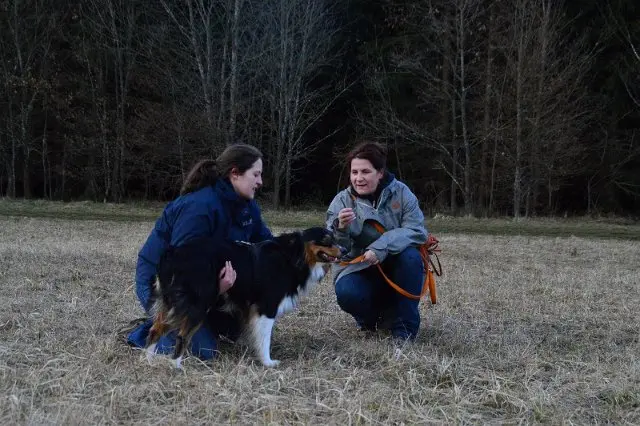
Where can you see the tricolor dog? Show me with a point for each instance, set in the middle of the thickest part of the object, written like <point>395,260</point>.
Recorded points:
<point>271,277</point>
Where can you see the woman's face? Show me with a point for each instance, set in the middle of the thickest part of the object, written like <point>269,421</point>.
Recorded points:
<point>364,177</point>
<point>245,184</point>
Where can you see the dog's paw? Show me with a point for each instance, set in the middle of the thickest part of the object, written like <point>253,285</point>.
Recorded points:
<point>178,363</point>
<point>271,363</point>
<point>151,352</point>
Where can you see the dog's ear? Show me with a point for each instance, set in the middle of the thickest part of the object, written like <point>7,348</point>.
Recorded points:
<point>289,239</point>
<point>289,242</point>
<point>315,233</point>
<point>319,235</point>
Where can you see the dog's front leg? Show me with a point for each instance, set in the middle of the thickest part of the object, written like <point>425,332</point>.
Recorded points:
<point>261,329</point>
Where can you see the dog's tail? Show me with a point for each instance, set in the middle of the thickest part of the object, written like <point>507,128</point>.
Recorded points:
<point>187,330</point>
<point>187,289</point>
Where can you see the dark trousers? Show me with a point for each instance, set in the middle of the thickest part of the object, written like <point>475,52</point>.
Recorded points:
<point>372,302</point>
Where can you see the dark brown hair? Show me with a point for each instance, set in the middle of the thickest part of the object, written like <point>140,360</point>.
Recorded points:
<point>206,172</point>
<point>375,152</point>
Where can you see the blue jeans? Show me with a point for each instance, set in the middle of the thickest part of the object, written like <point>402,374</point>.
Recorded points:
<point>370,300</point>
<point>204,343</point>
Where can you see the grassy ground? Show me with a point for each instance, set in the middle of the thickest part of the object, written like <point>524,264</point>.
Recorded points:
<point>590,228</point>
<point>527,330</point>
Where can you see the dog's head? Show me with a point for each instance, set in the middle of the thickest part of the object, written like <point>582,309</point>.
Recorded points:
<point>311,246</point>
<point>320,246</point>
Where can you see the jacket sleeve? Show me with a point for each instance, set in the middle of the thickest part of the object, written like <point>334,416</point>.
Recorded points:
<point>148,259</point>
<point>342,236</point>
<point>411,232</point>
<point>260,230</point>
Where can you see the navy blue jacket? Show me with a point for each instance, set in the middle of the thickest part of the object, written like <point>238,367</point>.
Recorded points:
<point>216,210</point>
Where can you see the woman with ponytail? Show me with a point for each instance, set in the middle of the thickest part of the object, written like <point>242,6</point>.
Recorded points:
<point>217,197</point>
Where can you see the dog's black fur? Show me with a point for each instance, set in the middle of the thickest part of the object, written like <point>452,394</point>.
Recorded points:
<point>271,276</point>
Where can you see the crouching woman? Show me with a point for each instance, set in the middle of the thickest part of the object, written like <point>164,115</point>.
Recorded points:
<point>374,194</point>
<point>217,198</point>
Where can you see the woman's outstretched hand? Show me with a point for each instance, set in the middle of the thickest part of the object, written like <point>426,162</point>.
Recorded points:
<point>345,217</point>
<point>227,277</point>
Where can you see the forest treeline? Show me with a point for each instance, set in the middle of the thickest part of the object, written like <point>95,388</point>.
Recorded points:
<point>488,107</point>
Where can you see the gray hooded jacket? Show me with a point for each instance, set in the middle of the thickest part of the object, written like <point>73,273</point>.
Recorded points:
<point>397,210</point>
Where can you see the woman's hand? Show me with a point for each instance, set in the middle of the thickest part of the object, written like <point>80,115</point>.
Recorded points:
<point>227,277</point>
<point>345,217</point>
<point>370,257</point>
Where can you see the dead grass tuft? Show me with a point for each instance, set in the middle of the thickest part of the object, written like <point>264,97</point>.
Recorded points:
<point>527,330</point>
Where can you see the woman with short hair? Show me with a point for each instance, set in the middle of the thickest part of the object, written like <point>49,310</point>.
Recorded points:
<point>374,194</point>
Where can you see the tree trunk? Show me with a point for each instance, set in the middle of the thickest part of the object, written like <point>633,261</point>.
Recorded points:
<point>45,181</point>
<point>454,158</point>
<point>63,169</point>
<point>203,61</point>
<point>223,77</point>
<point>11,189</point>
<point>534,162</point>
<point>234,73</point>
<point>463,116</point>
<point>484,180</point>
<point>517,173</point>
<point>287,185</point>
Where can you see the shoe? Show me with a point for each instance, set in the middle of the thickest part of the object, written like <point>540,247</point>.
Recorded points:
<point>401,340</point>
<point>402,335</point>
<point>386,318</point>
<point>369,328</point>
<point>365,325</point>
<point>124,331</point>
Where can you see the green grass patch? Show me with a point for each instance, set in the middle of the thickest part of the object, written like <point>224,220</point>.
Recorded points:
<point>141,212</point>
<point>553,227</point>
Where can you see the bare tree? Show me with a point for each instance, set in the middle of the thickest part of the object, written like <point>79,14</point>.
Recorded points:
<point>619,27</point>
<point>436,61</point>
<point>300,40</point>
<point>547,71</point>
<point>112,26</point>
<point>219,41</point>
<point>27,27</point>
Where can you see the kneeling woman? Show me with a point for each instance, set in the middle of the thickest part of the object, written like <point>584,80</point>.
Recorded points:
<point>216,198</point>
<point>375,194</point>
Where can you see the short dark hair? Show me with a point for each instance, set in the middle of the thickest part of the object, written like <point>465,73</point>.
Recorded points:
<point>206,172</point>
<point>375,152</point>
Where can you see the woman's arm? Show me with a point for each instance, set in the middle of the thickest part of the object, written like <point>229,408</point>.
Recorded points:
<point>179,223</point>
<point>341,235</point>
<point>412,230</point>
<point>148,259</point>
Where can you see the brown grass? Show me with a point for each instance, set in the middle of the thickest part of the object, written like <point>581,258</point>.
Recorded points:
<point>527,330</point>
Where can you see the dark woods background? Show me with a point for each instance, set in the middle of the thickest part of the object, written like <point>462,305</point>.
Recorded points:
<point>517,107</point>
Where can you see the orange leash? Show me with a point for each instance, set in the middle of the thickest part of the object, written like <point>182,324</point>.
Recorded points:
<point>426,250</point>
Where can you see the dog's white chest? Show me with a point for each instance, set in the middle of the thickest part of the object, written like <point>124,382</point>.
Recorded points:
<point>289,303</point>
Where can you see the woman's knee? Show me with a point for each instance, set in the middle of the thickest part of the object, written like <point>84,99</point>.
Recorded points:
<point>409,259</point>
<point>344,291</point>
<point>204,344</point>
<point>349,294</point>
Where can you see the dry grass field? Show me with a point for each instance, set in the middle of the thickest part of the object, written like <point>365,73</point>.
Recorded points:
<point>527,330</point>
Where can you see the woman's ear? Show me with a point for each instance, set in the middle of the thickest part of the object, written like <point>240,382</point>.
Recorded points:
<point>233,174</point>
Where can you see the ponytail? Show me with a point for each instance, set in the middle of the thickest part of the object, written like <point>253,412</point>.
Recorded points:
<point>239,157</point>
<point>204,173</point>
